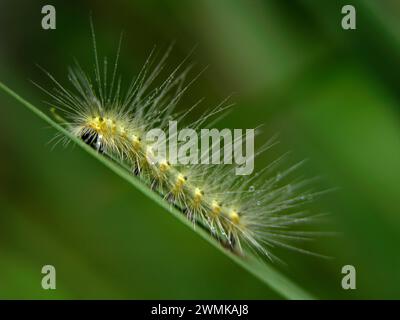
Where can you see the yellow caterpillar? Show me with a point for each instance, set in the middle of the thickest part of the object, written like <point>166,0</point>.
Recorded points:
<point>253,212</point>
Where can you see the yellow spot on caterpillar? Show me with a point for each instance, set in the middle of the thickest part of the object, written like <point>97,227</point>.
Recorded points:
<point>108,125</point>
<point>180,180</point>
<point>135,142</point>
<point>164,166</point>
<point>198,196</point>
<point>179,183</point>
<point>234,216</point>
<point>215,208</point>
<point>95,123</point>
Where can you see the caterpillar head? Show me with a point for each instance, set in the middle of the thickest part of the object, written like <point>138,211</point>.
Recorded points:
<point>94,140</point>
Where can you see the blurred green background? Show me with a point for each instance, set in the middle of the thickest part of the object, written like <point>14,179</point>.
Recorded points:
<point>332,94</point>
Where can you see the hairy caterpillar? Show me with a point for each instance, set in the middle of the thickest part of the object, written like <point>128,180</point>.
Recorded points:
<point>255,212</point>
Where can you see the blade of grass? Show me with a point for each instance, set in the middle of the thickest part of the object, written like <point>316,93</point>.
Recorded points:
<point>263,271</point>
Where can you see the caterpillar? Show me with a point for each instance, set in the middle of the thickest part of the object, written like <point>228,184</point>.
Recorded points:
<point>255,212</point>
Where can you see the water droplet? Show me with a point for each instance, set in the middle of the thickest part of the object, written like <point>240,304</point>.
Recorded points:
<point>252,188</point>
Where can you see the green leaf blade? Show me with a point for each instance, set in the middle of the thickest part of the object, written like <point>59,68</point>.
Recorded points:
<point>260,269</point>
